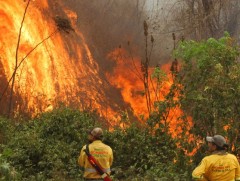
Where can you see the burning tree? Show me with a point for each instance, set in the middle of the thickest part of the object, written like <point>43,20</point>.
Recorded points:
<point>145,67</point>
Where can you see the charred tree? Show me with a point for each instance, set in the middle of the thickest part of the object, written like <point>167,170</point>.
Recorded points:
<point>145,69</point>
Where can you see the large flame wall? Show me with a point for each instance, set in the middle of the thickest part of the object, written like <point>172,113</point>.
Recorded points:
<point>61,69</point>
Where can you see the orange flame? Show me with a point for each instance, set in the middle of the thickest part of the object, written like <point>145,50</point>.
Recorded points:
<point>61,69</point>
<point>127,77</point>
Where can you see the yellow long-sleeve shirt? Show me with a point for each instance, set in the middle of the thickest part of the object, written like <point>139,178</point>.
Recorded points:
<point>102,153</point>
<point>218,167</point>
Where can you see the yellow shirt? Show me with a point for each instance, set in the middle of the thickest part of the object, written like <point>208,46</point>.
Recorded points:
<point>102,153</point>
<point>218,167</point>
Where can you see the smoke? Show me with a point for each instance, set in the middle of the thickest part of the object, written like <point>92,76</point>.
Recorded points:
<point>108,24</point>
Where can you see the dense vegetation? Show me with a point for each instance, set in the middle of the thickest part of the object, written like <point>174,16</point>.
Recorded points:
<point>210,77</point>
<point>47,148</point>
<point>207,88</point>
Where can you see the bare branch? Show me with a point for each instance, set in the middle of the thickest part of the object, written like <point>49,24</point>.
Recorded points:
<point>16,60</point>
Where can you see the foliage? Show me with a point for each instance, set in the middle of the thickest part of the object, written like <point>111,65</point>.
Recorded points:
<point>7,172</point>
<point>47,148</point>
<point>141,153</point>
<point>210,77</point>
<point>6,128</point>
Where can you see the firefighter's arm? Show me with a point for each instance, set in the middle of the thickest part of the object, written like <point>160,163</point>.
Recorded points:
<point>111,157</point>
<point>237,173</point>
<point>199,171</point>
<point>81,158</point>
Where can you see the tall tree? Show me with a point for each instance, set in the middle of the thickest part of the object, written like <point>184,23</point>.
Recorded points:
<point>202,19</point>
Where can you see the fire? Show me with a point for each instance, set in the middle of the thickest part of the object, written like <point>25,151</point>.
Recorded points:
<point>127,77</point>
<point>60,69</point>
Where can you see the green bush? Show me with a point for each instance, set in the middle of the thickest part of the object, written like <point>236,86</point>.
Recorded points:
<point>47,148</point>
<point>138,153</point>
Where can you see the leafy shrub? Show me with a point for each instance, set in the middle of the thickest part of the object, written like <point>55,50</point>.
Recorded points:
<point>138,152</point>
<point>6,129</point>
<point>48,146</point>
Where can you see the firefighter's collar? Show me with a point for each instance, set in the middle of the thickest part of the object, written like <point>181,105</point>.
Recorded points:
<point>97,141</point>
<point>220,152</point>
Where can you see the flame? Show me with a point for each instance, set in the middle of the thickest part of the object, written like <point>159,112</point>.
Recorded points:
<point>127,77</point>
<point>61,69</point>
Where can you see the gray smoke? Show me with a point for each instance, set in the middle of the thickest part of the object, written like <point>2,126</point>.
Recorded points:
<point>109,24</point>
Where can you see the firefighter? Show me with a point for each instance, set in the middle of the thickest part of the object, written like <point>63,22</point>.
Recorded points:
<point>220,165</point>
<point>238,154</point>
<point>100,151</point>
